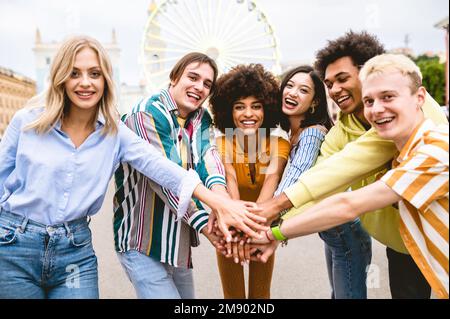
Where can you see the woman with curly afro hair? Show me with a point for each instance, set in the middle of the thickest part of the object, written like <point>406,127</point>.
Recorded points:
<point>246,108</point>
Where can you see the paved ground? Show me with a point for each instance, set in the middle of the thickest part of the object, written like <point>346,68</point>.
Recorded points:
<point>300,270</point>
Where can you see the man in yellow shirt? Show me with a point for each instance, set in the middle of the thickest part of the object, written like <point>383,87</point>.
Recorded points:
<point>353,155</point>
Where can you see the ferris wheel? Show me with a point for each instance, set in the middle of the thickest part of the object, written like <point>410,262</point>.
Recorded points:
<point>229,31</point>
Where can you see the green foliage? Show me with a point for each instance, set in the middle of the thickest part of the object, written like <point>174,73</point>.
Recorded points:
<point>433,74</point>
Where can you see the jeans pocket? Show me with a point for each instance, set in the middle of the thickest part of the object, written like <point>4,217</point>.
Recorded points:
<point>8,235</point>
<point>332,235</point>
<point>81,237</point>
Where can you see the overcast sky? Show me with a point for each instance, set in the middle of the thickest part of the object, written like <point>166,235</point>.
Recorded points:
<point>302,26</point>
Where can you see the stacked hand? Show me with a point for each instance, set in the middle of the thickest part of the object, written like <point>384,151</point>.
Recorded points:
<point>241,247</point>
<point>235,214</point>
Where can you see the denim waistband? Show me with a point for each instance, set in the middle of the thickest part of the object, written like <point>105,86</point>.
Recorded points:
<point>23,223</point>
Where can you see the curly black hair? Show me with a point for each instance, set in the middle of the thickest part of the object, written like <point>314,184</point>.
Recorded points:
<point>240,82</point>
<point>360,47</point>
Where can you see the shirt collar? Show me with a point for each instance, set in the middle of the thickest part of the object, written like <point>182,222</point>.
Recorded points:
<point>99,124</point>
<point>168,101</point>
<point>171,105</point>
<point>414,139</point>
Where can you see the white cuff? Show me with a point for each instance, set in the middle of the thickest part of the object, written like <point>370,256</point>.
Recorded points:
<point>187,187</point>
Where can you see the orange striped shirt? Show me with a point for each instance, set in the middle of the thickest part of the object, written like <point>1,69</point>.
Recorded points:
<point>420,177</point>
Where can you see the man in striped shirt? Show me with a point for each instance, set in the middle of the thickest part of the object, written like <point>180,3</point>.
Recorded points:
<point>418,181</point>
<point>153,244</point>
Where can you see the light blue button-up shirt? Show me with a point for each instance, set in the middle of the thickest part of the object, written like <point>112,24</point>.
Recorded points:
<point>45,178</point>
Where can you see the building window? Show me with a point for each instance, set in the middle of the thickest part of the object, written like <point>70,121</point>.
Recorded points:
<point>47,60</point>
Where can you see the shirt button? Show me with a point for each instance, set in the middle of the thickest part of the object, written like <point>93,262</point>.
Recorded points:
<point>69,175</point>
<point>65,194</point>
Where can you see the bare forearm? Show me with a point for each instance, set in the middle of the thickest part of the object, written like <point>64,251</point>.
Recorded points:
<point>339,209</point>
<point>333,211</point>
<point>233,188</point>
<point>220,189</point>
<point>207,196</point>
<point>232,183</point>
<point>275,205</point>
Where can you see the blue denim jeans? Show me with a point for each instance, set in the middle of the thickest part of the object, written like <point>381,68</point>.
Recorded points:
<point>153,279</point>
<point>348,253</point>
<point>39,261</point>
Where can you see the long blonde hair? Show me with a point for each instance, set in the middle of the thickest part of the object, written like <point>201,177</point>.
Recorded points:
<point>55,99</point>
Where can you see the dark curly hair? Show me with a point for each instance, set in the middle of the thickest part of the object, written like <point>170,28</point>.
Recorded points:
<point>360,47</point>
<point>321,115</point>
<point>240,82</point>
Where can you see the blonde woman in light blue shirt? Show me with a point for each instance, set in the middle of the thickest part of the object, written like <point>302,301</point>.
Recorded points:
<point>56,161</point>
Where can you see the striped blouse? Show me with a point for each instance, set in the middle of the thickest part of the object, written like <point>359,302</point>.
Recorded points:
<point>145,216</point>
<point>302,157</point>
<point>420,177</point>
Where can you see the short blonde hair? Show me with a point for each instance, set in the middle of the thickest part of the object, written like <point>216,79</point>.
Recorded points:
<point>56,99</point>
<point>386,63</point>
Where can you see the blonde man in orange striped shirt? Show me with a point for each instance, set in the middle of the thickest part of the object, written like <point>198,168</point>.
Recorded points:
<point>393,95</point>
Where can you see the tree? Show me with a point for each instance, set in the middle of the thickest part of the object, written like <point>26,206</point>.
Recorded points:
<point>433,73</point>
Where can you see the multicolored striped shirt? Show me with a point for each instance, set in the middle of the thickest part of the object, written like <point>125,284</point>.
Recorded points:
<point>145,216</point>
<point>420,177</point>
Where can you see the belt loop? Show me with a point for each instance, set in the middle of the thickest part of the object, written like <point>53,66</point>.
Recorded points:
<point>68,232</point>
<point>22,227</point>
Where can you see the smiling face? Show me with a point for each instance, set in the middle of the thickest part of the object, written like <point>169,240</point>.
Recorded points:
<point>344,86</point>
<point>86,82</point>
<point>298,94</point>
<point>248,115</point>
<point>193,87</point>
<point>390,106</point>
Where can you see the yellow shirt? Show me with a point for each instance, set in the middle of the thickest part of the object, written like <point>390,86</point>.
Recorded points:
<point>232,152</point>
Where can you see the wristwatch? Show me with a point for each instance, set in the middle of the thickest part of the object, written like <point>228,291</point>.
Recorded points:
<point>276,232</point>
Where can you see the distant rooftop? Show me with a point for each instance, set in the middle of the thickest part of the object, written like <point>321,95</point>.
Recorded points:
<point>11,73</point>
<point>443,24</point>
